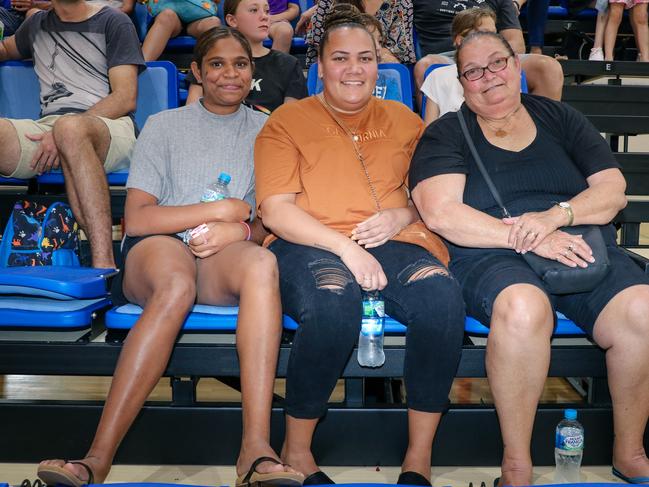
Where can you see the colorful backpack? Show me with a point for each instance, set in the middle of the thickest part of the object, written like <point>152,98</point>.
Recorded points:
<point>37,235</point>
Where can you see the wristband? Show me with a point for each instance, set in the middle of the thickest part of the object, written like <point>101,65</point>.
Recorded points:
<point>248,230</point>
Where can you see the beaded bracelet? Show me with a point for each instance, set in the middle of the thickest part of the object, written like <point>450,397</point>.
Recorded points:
<point>249,235</point>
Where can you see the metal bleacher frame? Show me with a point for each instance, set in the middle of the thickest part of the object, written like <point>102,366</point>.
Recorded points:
<point>370,426</point>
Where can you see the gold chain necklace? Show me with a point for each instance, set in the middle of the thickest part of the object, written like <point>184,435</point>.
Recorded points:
<point>354,140</point>
<point>352,133</point>
<point>500,132</point>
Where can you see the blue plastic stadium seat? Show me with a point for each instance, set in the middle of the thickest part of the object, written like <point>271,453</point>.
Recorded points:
<point>53,297</point>
<point>157,91</point>
<point>202,317</point>
<point>394,83</point>
<point>20,93</point>
<point>565,327</point>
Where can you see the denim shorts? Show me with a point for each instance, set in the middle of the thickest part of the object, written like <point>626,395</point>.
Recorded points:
<point>484,276</point>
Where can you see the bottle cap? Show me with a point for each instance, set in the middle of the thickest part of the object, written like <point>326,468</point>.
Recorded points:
<point>570,414</point>
<point>225,177</point>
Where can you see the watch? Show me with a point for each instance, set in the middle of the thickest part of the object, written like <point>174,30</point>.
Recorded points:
<point>565,206</point>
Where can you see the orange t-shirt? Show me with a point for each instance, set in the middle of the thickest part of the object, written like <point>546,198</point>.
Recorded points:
<point>302,150</point>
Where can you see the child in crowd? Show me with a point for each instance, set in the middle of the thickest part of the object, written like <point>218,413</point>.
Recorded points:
<point>282,12</point>
<point>277,76</point>
<point>597,52</point>
<point>638,17</point>
<point>222,266</point>
<point>171,17</point>
<point>441,87</point>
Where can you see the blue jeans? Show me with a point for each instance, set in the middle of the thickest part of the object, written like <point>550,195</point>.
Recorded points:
<point>537,17</point>
<point>320,293</point>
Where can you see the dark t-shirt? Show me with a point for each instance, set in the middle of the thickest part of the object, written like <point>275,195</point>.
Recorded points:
<point>72,59</point>
<point>554,167</point>
<point>277,75</point>
<point>433,20</point>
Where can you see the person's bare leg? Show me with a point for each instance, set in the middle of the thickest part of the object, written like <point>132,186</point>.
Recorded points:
<point>197,27</point>
<point>518,357</point>
<point>296,450</point>
<point>282,35</point>
<point>615,11</point>
<point>246,274</point>
<point>421,433</point>
<point>544,75</point>
<point>639,21</point>
<point>166,292</point>
<point>165,26</point>
<point>600,26</point>
<point>9,148</point>
<point>420,68</point>
<point>83,143</point>
<point>622,329</point>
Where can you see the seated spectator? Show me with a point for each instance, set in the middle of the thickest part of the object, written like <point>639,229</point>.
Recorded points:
<point>374,27</point>
<point>538,152</point>
<point>219,267</point>
<point>282,12</point>
<point>638,17</point>
<point>12,17</point>
<point>537,18</point>
<point>433,19</point>
<point>125,6</point>
<point>277,76</point>
<point>330,178</point>
<point>87,122</point>
<point>171,18</point>
<point>395,17</point>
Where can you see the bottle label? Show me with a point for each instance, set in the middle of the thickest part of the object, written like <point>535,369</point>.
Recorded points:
<point>372,326</point>
<point>211,195</point>
<point>569,439</point>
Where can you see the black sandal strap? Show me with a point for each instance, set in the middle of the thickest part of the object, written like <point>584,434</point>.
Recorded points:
<point>255,464</point>
<point>91,476</point>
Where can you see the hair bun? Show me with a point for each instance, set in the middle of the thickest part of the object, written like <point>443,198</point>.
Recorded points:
<point>343,13</point>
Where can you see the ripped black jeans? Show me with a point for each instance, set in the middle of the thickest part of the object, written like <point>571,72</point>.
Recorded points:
<point>321,294</point>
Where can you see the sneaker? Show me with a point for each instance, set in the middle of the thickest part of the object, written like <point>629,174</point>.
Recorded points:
<point>596,54</point>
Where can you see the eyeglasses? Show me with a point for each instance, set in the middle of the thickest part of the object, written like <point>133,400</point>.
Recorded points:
<point>474,74</point>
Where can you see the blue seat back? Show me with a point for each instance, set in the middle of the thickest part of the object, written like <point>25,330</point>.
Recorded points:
<point>394,83</point>
<point>19,90</point>
<point>157,90</point>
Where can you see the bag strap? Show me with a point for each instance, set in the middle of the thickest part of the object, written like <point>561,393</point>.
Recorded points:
<point>478,161</point>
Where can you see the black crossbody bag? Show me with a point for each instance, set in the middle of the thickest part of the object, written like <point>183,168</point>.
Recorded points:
<point>557,277</point>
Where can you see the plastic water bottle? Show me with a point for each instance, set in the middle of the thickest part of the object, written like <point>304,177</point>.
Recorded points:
<point>569,448</point>
<point>218,190</point>
<point>370,340</point>
<point>213,192</point>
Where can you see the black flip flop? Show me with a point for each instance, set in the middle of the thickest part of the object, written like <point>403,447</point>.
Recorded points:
<point>318,478</point>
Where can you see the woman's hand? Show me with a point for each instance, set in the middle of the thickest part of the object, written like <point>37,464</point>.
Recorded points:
<point>303,22</point>
<point>365,268</point>
<point>571,250</point>
<point>381,227</point>
<point>218,236</point>
<point>530,229</point>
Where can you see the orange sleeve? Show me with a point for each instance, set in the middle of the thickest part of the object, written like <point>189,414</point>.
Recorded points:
<point>277,159</point>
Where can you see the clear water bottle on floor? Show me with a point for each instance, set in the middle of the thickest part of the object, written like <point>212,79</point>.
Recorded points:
<point>370,340</point>
<point>568,448</point>
<point>213,192</point>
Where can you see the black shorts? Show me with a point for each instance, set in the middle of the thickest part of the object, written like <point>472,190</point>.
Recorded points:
<point>116,289</point>
<point>483,277</point>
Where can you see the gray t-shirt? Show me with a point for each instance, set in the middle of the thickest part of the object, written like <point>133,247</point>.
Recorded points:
<point>179,152</point>
<point>72,59</point>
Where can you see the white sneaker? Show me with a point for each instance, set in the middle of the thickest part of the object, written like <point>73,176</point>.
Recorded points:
<point>596,54</point>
